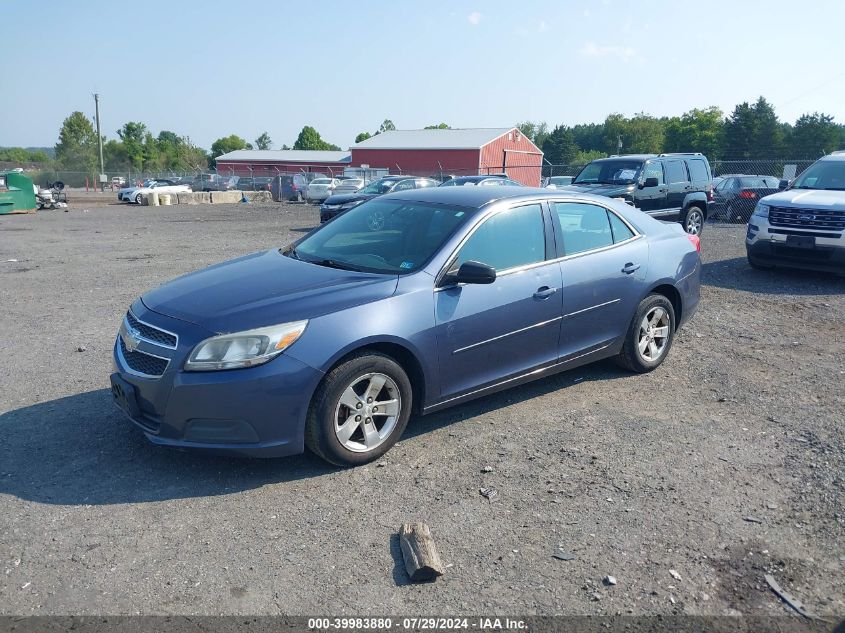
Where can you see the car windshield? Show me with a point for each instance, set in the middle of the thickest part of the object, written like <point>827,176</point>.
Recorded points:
<point>379,186</point>
<point>610,172</point>
<point>826,174</point>
<point>560,180</point>
<point>382,236</point>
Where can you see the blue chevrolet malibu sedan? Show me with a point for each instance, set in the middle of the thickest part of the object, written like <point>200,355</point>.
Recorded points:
<point>408,303</point>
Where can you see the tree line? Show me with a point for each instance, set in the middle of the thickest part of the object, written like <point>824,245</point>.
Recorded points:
<point>751,131</point>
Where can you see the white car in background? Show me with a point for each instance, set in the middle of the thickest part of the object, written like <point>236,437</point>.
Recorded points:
<point>159,186</point>
<point>350,185</point>
<point>124,191</point>
<point>321,188</point>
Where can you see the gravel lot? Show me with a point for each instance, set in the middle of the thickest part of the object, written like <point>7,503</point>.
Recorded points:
<point>723,465</point>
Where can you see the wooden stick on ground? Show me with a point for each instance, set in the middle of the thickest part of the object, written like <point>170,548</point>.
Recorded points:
<point>422,562</point>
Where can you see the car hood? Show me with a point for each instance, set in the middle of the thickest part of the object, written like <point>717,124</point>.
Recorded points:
<point>346,198</point>
<point>263,289</point>
<point>600,189</point>
<point>816,198</point>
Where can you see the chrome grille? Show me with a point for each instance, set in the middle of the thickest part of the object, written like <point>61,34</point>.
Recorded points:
<point>142,363</point>
<point>818,219</point>
<point>152,334</point>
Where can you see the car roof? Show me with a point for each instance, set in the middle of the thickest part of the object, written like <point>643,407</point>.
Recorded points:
<point>840,155</point>
<point>475,178</point>
<point>477,197</point>
<point>625,157</point>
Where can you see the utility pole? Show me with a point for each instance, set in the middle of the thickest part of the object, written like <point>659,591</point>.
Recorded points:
<point>99,136</point>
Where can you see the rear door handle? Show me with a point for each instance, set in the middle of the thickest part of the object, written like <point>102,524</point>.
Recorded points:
<point>544,292</point>
<point>630,268</point>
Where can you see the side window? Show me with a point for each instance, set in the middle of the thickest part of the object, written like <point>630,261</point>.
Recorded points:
<point>654,170</point>
<point>508,239</point>
<point>697,170</point>
<point>621,232</point>
<point>676,171</point>
<point>425,182</point>
<point>585,227</point>
<point>723,185</point>
<point>403,185</point>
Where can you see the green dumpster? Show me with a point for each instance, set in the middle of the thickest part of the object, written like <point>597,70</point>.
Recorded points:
<point>17,195</point>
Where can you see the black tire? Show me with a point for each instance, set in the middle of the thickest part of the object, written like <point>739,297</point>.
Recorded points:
<point>630,356</point>
<point>138,198</point>
<point>693,217</point>
<point>320,431</point>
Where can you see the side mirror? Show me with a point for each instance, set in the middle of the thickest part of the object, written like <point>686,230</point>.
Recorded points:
<point>783,184</point>
<point>472,272</point>
<point>650,182</point>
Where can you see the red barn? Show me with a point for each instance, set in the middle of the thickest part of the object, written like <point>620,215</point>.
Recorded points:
<point>460,152</point>
<point>270,162</point>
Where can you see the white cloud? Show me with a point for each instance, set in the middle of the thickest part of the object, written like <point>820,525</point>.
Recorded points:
<point>591,49</point>
<point>474,18</point>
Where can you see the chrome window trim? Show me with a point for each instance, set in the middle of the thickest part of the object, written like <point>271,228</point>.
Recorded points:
<point>126,368</point>
<point>155,327</point>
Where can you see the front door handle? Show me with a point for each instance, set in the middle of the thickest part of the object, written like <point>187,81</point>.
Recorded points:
<point>630,268</point>
<point>544,292</point>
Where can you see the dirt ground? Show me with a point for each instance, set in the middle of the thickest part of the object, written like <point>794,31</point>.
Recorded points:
<point>687,484</point>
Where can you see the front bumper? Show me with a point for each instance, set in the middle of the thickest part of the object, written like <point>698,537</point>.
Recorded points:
<point>770,248</point>
<point>258,412</point>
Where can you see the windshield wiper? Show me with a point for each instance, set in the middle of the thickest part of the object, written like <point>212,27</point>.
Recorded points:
<point>331,263</point>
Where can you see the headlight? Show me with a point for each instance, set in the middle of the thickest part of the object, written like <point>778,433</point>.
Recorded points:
<point>761,210</point>
<point>244,349</point>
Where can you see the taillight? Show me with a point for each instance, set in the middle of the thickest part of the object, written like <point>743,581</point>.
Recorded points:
<point>747,195</point>
<point>695,241</point>
<point>710,196</point>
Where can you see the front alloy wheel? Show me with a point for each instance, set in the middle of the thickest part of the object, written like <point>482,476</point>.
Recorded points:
<point>359,410</point>
<point>367,412</point>
<point>138,199</point>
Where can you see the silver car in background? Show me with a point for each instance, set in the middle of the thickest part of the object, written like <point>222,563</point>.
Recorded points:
<point>804,225</point>
<point>320,188</point>
<point>350,185</point>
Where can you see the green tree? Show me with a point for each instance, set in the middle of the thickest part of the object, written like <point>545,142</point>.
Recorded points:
<point>227,144</point>
<point>363,136</point>
<point>590,137</point>
<point>441,126</point>
<point>814,135</point>
<point>386,126</point>
<point>77,146</point>
<point>536,132</point>
<point>263,141</point>
<point>641,134</point>
<point>696,131</point>
<point>115,157</point>
<point>753,131</point>
<point>309,138</point>
<point>132,134</point>
<point>560,147</point>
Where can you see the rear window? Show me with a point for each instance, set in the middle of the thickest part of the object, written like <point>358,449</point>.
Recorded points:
<point>698,170</point>
<point>321,181</point>
<point>758,182</point>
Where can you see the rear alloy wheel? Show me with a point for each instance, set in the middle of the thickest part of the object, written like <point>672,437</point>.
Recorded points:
<point>693,221</point>
<point>650,335</point>
<point>359,411</point>
<point>138,199</point>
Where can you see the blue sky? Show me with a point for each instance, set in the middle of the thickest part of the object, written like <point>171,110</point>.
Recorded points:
<point>211,68</point>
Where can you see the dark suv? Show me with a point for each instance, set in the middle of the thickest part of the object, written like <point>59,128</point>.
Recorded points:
<point>666,186</point>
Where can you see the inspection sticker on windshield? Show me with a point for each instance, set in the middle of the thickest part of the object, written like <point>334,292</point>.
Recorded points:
<point>626,174</point>
<point>406,265</point>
